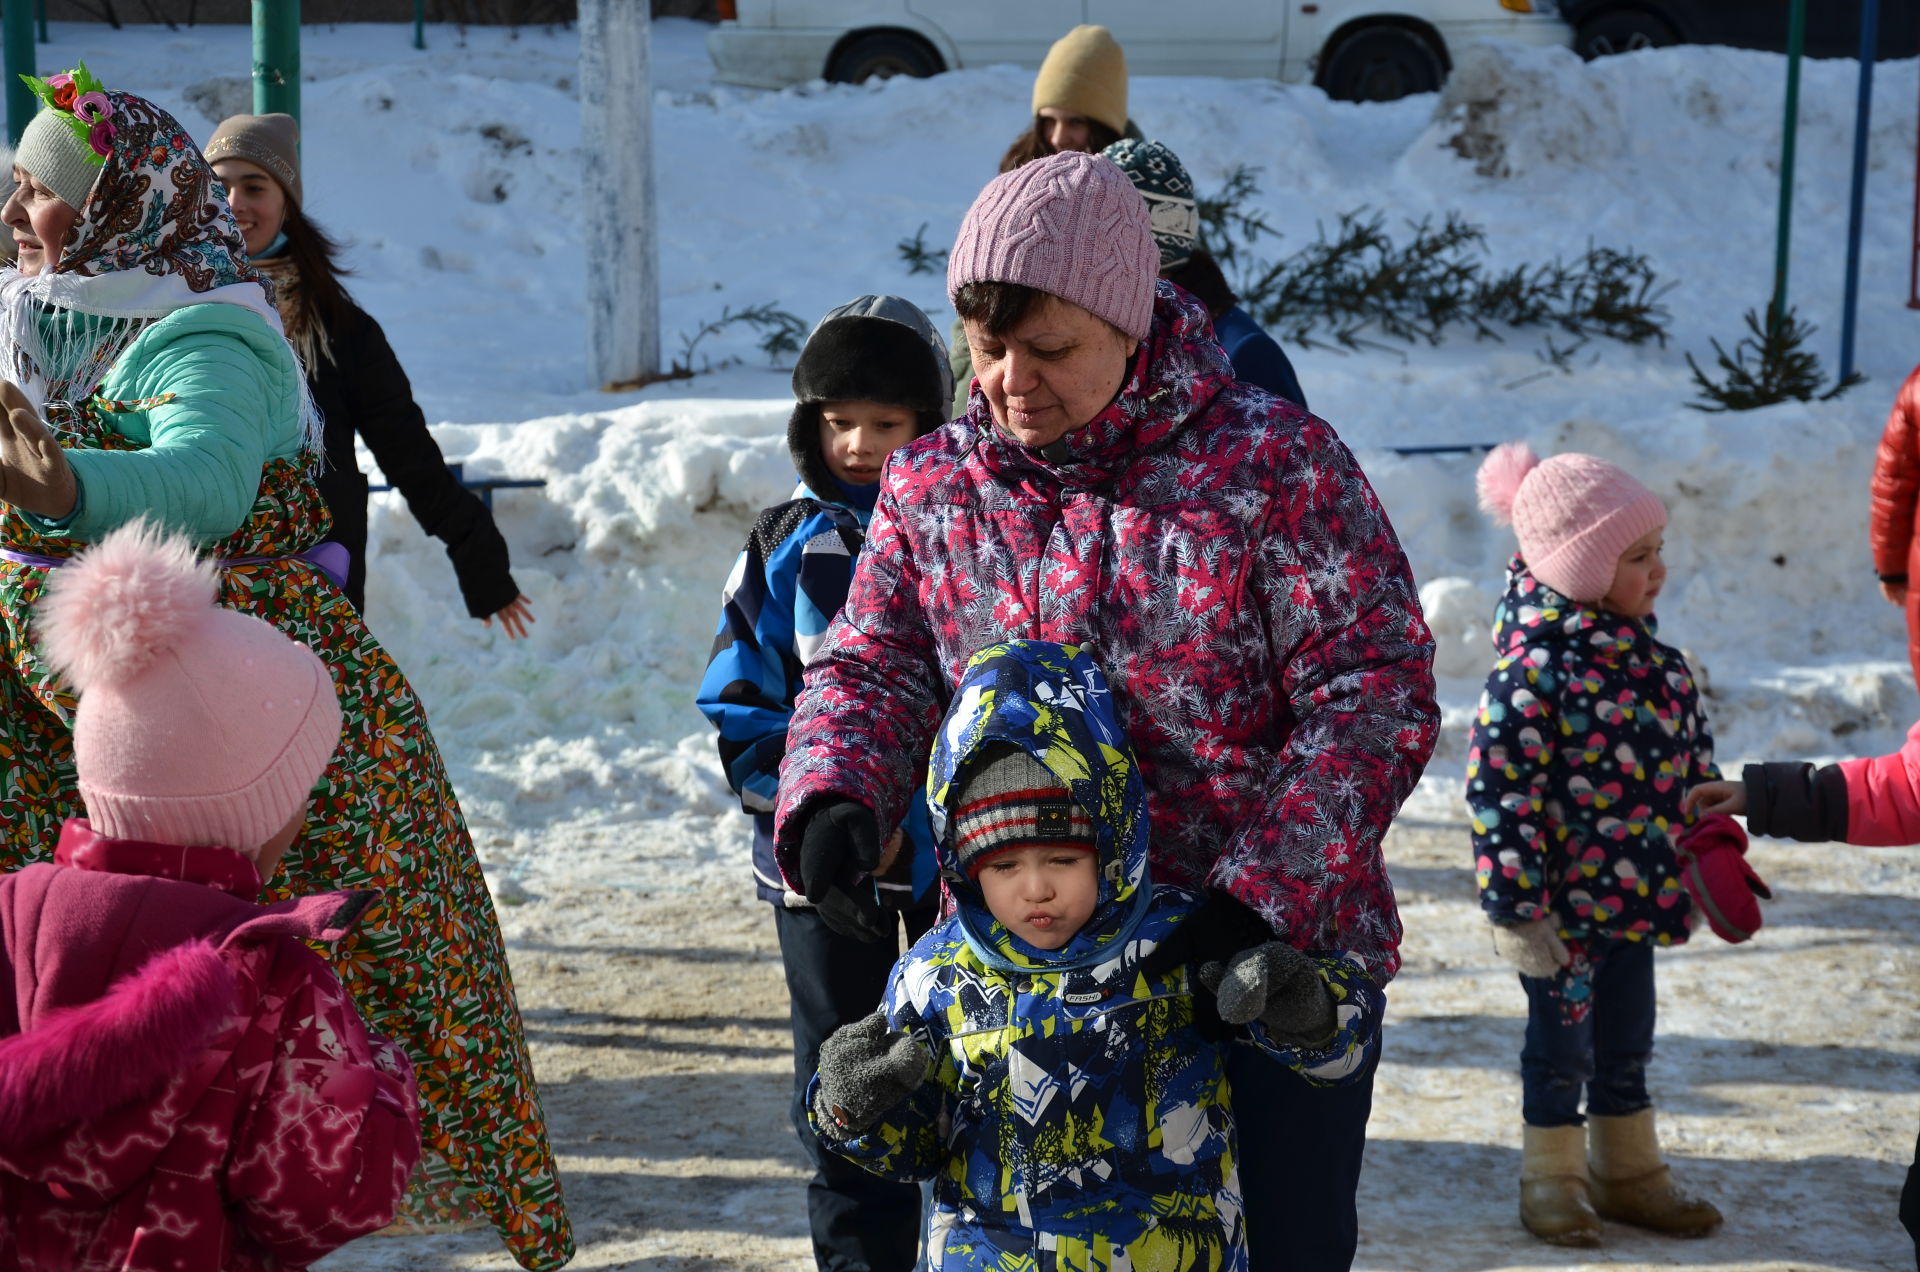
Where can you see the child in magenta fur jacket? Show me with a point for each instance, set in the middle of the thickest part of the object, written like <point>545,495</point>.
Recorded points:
<point>1874,802</point>
<point>183,1084</point>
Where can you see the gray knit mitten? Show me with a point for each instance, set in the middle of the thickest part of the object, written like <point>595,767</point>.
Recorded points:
<point>866,1069</point>
<point>1278,986</point>
<point>1534,947</point>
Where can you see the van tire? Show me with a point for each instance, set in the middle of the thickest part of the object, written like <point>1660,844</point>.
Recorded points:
<point>1381,64</point>
<point>882,55</point>
<point>1622,31</point>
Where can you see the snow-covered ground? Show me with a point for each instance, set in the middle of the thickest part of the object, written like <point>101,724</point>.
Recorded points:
<point>455,176</point>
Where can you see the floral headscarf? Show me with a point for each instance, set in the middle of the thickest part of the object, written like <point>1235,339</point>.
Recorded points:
<point>154,235</point>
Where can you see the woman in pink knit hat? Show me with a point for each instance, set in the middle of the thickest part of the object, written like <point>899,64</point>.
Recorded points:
<point>1587,736</point>
<point>1111,484</point>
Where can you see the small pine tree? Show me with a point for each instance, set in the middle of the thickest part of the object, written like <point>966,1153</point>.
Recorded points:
<point>1767,366</point>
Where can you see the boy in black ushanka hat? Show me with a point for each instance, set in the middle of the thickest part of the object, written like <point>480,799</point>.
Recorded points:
<point>872,377</point>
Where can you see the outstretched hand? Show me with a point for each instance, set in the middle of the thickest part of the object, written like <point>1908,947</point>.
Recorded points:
<point>514,617</point>
<point>1710,798</point>
<point>34,472</point>
<point>1276,985</point>
<point>865,1070</point>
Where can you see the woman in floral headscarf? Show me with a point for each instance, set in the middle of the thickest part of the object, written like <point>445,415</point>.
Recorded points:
<point>143,373</point>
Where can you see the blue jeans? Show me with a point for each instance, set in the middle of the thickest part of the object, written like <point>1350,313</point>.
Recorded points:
<point>860,1222</point>
<point>1589,1027</point>
<point>1300,1151</point>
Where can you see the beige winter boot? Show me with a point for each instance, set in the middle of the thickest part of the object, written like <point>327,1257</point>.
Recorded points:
<point>1632,1184</point>
<point>1553,1186</point>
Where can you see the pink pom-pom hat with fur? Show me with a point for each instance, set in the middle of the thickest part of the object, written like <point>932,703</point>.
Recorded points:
<point>1574,515</point>
<point>197,724</point>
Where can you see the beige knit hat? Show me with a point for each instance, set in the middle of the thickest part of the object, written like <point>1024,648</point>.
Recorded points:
<point>57,158</point>
<point>272,141</point>
<point>1086,73</point>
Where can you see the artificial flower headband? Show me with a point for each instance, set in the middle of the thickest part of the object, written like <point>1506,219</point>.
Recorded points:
<point>83,100</point>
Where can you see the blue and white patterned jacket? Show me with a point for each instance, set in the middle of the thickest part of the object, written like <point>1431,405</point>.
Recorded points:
<point>786,586</point>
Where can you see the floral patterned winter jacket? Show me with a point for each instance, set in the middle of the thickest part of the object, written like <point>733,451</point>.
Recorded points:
<point>1588,735</point>
<point>1223,556</point>
<point>183,1083</point>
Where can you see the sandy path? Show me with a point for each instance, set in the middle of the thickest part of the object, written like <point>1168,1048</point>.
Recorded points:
<point>1788,1074</point>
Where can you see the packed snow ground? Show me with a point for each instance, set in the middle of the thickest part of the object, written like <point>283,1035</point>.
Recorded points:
<point>455,177</point>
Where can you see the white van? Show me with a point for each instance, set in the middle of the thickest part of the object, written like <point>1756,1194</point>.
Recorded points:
<point>1357,50</point>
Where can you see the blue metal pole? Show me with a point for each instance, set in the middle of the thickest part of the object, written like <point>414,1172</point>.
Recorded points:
<point>40,17</point>
<point>1869,46</point>
<point>419,24</point>
<point>1783,235</point>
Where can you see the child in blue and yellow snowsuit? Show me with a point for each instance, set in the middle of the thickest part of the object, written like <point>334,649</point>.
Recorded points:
<point>1045,1055</point>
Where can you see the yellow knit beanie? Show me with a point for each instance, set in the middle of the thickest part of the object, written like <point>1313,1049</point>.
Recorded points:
<point>1086,73</point>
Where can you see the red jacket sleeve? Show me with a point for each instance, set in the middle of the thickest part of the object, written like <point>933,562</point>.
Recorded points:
<point>1883,796</point>
<point>1896,481</point>
<point>324,1153</point>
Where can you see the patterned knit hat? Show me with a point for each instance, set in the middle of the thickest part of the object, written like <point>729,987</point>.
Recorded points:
<point>197,724</point>
<point>1162,180</point>
<point>1007,800</point>
<point>1085,72</point>
<point>1070,225</point>
<point>1573,514</point>
<point>271,141</point>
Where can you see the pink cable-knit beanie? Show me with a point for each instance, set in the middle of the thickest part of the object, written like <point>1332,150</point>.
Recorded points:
<point>1070,225</point>
<point>197,724</point>
<point>1573,514</point>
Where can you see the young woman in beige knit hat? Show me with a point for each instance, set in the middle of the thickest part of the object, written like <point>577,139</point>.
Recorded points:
<point>357,383</point>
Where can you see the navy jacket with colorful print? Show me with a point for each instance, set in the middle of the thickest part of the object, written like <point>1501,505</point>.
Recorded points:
<point>1077,1115</point>
<point>787,585</point>
<point>1589,733</point>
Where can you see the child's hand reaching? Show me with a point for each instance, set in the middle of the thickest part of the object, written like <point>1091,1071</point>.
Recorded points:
<point>866,1069</point>
<point>1709,798</point>
<point>1278,986</point>
<point>1533,947</point>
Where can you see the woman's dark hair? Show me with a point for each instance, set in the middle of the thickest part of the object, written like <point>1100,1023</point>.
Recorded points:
<point>313,251</point>
<point>998,307</point>
<point>1200,275</point>
<point>1033,144</point>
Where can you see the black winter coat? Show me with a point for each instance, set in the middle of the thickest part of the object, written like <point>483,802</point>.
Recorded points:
<point>362,389</point>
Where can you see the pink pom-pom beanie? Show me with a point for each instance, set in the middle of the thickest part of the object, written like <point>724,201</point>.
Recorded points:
<point>1070,225</point>
<point>196,724</point>
<point>1573,514</point>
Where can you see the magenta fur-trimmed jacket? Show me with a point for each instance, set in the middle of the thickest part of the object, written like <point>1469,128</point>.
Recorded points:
<point>1222,557</point>
<point>183,1084</point>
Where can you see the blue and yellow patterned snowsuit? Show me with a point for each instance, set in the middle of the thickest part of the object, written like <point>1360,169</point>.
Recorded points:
<point>1078,1118</point>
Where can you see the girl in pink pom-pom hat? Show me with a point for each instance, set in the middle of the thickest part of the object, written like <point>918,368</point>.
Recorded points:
<point>183,1082</point>
<point>1588,734</point>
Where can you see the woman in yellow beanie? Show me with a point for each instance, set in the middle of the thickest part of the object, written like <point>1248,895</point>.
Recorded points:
<point>1079,98</point>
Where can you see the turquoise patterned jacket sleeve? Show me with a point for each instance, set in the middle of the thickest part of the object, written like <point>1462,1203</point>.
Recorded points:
<point>233,402</point>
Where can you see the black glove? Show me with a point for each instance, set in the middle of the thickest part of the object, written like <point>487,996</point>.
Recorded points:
<point>866,1069</point>
<point>1220,928</point>
<point>839,849</point>
<point>1278,986</point>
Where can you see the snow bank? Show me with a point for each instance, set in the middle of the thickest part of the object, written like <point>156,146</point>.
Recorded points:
<point>454,176</point>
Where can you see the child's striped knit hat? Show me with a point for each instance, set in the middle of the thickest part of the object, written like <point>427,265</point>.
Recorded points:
<point>1007,800</point>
